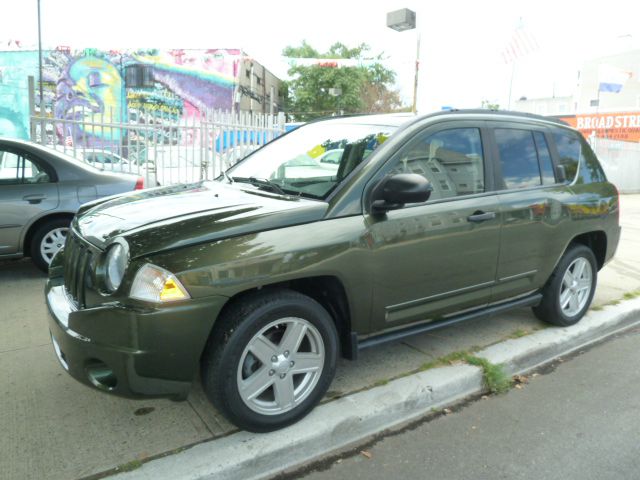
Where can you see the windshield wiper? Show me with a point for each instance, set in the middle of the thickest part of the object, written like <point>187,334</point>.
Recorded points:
<point>227,177</point>
<point>260,182</point>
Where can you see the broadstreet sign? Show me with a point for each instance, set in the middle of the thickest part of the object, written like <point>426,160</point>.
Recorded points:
<point>623,126</point>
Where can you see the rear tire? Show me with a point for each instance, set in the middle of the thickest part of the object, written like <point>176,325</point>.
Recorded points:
<point>569,291</point>
<point>270,359</point>
<point>47,240</point>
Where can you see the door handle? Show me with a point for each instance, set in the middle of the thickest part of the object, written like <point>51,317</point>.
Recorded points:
<point>479,216</point>
<point>33,199</point>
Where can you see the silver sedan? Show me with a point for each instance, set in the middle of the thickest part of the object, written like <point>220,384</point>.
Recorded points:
<point>40,191</point>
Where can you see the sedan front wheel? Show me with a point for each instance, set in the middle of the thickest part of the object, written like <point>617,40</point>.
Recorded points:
<point>47,240</point>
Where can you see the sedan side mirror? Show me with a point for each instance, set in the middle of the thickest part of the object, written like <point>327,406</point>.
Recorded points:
<point>395,191</point>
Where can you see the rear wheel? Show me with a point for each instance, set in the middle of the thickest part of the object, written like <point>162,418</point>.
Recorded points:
<point>47,240</point>
<point>270,360</point>
<point>568,293</point>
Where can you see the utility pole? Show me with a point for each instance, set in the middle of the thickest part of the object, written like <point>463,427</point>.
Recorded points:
<point>40,61</point>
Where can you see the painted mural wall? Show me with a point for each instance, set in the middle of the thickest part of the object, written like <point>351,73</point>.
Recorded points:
<point>113,87</point>
<point>15,68</point>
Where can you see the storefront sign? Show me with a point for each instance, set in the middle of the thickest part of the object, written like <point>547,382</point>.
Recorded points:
<point>616,126</point>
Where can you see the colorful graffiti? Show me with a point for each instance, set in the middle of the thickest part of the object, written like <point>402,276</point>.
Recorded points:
<point>93,86</point>
<point>15,67</point>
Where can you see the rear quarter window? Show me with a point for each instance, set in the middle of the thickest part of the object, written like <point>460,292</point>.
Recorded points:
<point>590,169</point>
<point>579,161</point>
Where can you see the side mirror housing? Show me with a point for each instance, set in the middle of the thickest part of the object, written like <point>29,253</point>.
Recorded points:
<point>395,191</point>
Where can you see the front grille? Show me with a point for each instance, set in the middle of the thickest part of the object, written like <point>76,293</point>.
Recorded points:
<point>77,259</point>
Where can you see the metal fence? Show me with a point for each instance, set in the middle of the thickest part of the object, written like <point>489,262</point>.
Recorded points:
<point>161,147</point>
<point>621,162</point>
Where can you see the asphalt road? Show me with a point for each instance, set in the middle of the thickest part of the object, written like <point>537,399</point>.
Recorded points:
<point>578,420</point>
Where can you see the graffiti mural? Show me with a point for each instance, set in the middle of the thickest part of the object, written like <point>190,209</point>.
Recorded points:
<point>109,88</point>
<point>15,67</point>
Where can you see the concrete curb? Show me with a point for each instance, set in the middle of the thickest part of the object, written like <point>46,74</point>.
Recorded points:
<point>347,420</point>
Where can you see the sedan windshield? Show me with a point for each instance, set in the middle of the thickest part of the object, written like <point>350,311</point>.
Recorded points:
<point>311,160</point>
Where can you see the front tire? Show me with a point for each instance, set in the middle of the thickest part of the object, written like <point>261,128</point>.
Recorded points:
<point>47,240</point>
<point>270,359</point>
<point>568,293</point>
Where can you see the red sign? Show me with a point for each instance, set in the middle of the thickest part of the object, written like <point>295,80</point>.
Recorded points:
<point>616,126</point>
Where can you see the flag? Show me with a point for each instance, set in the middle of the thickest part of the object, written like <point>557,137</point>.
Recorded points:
<point>611,79</point>
<point>522,43</point>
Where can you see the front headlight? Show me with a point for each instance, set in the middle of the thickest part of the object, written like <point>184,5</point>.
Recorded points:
<point>115,265</point>
<point>155,284</point>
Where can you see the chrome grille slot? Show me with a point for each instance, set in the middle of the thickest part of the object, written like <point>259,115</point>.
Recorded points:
<point>77,258</point>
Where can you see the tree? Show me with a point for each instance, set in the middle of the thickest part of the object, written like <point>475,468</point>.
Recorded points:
<point>328,88</point>
<point>486,104</point>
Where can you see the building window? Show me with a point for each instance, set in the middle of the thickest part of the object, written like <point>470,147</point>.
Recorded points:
<point>138,76</point>
<point>594,103</point>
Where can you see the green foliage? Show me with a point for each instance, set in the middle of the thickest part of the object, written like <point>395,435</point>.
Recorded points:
<point>363,88</point>
<point>495,379</point>
<point>130,466</point>
<point>489,105</point>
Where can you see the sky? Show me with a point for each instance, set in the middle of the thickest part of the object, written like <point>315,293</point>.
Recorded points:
<point>461,42</point>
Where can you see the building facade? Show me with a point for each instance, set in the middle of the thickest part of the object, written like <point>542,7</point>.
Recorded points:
<point>114,86</point>
<point>605,108</point>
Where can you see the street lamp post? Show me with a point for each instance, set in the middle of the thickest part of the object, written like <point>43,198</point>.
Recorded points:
<point>401,20</point>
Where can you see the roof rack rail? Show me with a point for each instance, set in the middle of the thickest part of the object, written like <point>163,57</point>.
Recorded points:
<point>484,111</point>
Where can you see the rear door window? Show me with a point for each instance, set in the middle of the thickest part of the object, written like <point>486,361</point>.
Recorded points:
<point>518,158</point>
<point>16,169</point>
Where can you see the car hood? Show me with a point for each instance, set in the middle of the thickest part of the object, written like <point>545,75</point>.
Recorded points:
<point>171,217</point>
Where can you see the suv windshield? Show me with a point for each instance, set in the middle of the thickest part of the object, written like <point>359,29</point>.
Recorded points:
<point>311,160</point>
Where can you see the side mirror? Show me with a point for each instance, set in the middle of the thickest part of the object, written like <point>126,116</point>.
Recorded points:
<point>394,191</point>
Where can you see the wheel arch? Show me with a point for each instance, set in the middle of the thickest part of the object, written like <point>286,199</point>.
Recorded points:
<point>327,290</point>
<point>33,228</point>
<point>596,241</point>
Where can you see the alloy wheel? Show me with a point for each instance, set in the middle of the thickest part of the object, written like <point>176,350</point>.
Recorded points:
<point>576,286</point>
<point>280,366</point>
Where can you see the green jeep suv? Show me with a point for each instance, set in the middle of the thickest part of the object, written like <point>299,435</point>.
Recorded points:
<point>260,279</point>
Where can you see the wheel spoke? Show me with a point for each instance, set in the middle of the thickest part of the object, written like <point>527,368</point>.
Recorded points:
<point>584,284</point>
<point>578,270</point>
<point>284,393</point>
<point>565,297</point>
<point>293,337</point>
<point>574,303</point>
<point>263,349</point>
<point>256,383</point>
<point>307,362</point>
<point>50,248</point>
<point>567,280</point>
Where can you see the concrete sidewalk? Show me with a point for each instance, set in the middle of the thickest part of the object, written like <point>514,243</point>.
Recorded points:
<point>58,428</point>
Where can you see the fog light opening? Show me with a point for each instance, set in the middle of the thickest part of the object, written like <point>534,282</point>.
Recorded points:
<point>100,375</point>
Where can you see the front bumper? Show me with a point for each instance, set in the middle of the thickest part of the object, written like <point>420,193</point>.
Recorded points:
<point>129,351</point>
